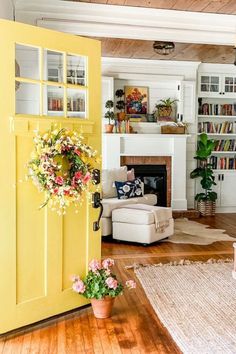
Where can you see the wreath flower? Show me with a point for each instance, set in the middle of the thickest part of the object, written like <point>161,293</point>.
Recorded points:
<point>62,166</point>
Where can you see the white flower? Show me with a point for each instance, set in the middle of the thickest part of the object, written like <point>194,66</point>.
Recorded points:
<point>126,188</point>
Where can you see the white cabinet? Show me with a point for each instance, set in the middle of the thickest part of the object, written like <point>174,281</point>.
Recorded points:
<point>189,108</point>
<point>217,85</point>
<point>226,190</point>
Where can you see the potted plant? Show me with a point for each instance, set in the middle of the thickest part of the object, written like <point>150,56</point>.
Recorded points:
<point>109,115</point>
<point>100,286</point>
<point>164,109</point>
<point>120,104</point>
<point>206,201</point>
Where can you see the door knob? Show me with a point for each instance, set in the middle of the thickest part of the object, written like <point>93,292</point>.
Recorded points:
<point>96,202</point>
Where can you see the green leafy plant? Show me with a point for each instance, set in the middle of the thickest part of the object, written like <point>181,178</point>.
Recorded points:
<point>109,113</point>
<point>204,170</point>
<point>166,103</point>
<point>100,281</point>
<point>120,104</point>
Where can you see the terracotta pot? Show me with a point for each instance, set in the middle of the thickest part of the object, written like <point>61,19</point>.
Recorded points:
<point>121,116</point>
<point>102,307</point>
<point>109,128</point>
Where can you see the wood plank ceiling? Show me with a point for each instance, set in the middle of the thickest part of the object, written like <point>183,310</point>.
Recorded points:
<point>140,49</point>
<point>214,6</point>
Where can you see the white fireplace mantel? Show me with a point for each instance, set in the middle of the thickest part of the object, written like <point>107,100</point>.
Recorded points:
<point>174,145</point>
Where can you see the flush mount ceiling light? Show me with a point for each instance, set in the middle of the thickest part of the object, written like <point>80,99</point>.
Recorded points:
<point>163,48</point>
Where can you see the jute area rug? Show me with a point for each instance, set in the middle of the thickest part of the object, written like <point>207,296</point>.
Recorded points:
<point>196,303</point>
<point>192,232</point>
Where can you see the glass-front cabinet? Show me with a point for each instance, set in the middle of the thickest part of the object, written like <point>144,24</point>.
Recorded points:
<point>217,85</point>
<point>50,83</point>
<point>210,84</point>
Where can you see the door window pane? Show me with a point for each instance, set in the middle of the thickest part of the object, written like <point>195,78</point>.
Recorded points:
<point>53,102</point>
<point>27,98</point>
<point>53,69</point>
<point>27,62</point>
<point>229,80</point>
<point>76,70</point>
<point>76,103</point>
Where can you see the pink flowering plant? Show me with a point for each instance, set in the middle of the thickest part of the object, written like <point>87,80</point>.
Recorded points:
<point>62,166</point>
<point>100,281</point>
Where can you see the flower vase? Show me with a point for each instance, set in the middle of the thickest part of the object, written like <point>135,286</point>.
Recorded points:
<point>102,308</point>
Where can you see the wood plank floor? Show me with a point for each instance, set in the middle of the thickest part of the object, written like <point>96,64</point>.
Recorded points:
<point>134,327</point>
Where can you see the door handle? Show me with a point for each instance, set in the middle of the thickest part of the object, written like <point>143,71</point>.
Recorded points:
<point>96,202</point>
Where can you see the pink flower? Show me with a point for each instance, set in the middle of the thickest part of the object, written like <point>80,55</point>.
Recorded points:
<point>78,175</point>
<point>77,152</point>
<point>108,262</point>
<point>86,178</point>
<point>130,284</point>
<point>94,265</point>
<point>112,283</point>
<point>59,180</point>
<point>79,286</point>
<point>55,190</point>
<point>74,278</point>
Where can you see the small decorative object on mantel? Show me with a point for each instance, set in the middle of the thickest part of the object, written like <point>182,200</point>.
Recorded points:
<point>206,201</point>
<point>120,104</point>
<point>164,110</point>
<point>110,116</point>
<point>62,166</point>
<point>174,128</point>
<point>100,286</point>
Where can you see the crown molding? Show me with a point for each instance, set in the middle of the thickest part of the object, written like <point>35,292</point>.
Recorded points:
<point>128,22</point>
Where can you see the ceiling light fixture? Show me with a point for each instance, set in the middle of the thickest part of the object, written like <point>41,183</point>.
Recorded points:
<point>163,48</point>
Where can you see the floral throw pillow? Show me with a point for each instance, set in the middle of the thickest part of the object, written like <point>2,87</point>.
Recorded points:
<point>129,189</point>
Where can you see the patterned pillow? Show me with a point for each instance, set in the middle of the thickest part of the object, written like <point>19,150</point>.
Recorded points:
<point>129,189</point>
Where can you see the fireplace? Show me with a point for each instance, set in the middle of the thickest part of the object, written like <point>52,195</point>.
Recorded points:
<point>155,172</point>
<point>154,178</point>
<point>151,149</point>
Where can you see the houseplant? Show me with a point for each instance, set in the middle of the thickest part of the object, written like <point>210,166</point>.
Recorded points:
<point>164,109</point>
<point>206,200</point>
<point>120,104</point>
<point>100,286</point>
<point>109,115</point>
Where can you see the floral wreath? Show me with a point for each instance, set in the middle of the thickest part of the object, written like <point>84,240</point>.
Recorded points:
<point>62,167</point>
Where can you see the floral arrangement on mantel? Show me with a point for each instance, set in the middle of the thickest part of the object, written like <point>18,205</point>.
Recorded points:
<point>100,286</point>
<point>62,166</point>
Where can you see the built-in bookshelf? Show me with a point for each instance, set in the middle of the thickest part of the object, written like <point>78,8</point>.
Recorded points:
<point>223,163</point>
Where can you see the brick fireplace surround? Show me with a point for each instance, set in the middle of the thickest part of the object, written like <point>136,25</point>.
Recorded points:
<point>151,160</point>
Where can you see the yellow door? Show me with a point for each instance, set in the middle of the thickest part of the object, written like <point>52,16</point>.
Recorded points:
<point>46,78</point>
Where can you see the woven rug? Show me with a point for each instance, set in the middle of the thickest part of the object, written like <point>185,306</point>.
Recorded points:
<point>196,303</point>
<point>192,232</point>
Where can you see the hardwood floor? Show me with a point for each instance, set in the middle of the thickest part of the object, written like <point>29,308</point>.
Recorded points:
<point>134,327</point>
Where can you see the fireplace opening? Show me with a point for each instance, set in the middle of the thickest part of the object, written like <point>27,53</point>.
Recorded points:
<point>154,178</point>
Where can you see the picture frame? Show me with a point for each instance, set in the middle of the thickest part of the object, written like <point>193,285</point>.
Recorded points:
<point>136,100</point>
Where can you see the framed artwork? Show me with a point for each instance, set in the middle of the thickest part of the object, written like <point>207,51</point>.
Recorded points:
<point>136,100</point>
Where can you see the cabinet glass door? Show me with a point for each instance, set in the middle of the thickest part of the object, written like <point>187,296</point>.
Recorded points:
<point>230,85</point>
<point>209,84</point>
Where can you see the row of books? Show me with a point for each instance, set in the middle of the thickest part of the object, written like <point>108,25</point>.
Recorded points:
<point>73,105</point>
<point>226,145</point>
<point>223,163</point>
<point>217,109</point>
<point>218,128</point>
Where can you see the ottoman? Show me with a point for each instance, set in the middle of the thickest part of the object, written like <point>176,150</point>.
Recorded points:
<point>140,223</point>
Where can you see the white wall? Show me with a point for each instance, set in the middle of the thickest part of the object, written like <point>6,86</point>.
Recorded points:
<point>6,9</point>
